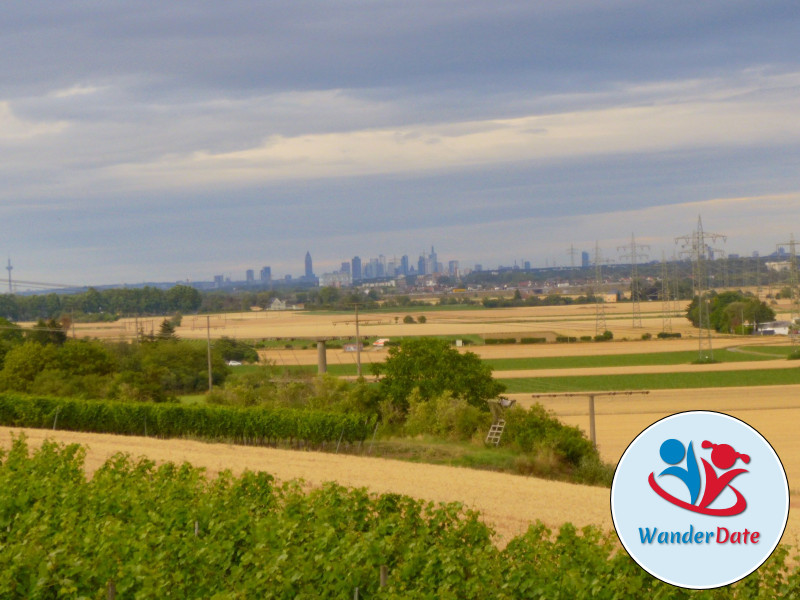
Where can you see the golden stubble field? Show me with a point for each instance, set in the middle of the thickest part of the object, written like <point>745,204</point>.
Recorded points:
<point>574,320</point>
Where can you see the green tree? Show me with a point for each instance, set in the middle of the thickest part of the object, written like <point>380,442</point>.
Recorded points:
<point>183,298</point>
<point>232,349</point>
<point>10,336</point>
<point>729,310</point>
<point>23,363</point>
<point>167,331</point>
<point>48,332</point>
<point>433,367</point>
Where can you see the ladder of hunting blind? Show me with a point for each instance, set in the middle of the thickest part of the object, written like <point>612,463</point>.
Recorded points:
<point>495,432</point>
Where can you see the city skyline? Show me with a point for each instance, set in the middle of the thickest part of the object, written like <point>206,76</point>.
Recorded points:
<point>178,141</point>
<point>575,258</point>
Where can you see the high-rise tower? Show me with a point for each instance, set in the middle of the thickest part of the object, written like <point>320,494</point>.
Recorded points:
<point>309,268</point>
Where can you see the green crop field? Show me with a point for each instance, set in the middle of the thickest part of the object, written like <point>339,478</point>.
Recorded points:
<point>653,381</point>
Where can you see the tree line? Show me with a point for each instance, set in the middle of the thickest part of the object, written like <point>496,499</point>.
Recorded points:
<point>108,304</point>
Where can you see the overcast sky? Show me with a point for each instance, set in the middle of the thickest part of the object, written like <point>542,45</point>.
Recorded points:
<point>160,141</point>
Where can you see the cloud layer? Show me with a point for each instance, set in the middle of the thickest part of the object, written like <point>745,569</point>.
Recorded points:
<point>162,141</point>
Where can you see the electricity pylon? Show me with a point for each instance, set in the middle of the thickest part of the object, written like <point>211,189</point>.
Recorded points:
<point>634,256</point>
<point>794,306</point>
<point>599,296</point>
<point>696,245</point>
<point>666,304</point>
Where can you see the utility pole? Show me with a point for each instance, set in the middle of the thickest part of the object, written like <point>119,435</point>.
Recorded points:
<point>358,345</point>
<point>633,255</point>
<point>8,268</point>
<point>591,396</point>
<point>696,246</point>
<point>208,350</point>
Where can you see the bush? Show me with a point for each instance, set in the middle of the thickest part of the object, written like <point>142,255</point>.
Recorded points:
<point>662,335</point>
<point>408,319</point>
<point>533,340</point>
<point>563,339</point>
<point>444,416</point>
<point>232,349</point>
<point>604,337</point>
<point>422,319</point>
<point>586,338</point>
<point>500,341</point>
<point>647,336</point>
<point>534,430</point>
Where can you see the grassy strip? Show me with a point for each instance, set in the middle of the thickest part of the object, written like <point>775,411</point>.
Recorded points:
<point>653,381</point>
<point>616,360</point>
<point>566,362</point>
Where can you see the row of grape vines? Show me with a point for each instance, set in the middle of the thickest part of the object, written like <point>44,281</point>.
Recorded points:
<point>253,426</point>
<point>137,530</point>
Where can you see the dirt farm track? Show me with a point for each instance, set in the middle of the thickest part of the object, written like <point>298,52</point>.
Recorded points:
<point>508,502</point>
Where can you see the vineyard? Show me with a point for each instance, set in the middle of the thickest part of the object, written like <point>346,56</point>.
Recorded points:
<point>248,426</point>
<point>140,531</point>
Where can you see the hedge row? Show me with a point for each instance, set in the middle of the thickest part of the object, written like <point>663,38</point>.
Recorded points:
<point>252,426</point>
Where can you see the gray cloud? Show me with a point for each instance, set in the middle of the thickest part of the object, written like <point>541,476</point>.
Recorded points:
<point>222,130</point>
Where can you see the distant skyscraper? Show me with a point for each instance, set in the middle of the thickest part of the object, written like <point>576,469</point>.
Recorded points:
<point>404,265</point>
<point>373,269</point>
<point>478,268</point>
<point>356,272</point>
<point>266,275</point>
<point>250,276</point>
<point>421,270</point>
<point>345,268</point>
<point>219,281</point>
<point>452,268</point>
<point>584,259</point>
<point>526,265</point>
<point>309,268</point>
<point>433,260</point>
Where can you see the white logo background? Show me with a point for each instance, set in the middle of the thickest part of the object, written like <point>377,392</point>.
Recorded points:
<point>635,505</point>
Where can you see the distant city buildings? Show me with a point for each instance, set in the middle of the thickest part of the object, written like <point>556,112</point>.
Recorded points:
<point>379,271</point>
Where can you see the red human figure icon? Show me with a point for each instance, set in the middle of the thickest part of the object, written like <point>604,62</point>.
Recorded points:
<point>724,457</point>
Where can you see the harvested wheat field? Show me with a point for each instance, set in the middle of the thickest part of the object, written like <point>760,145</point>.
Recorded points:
<point>289,356</point>
<point>572,320</point>
<point>773,410</point>
<point>508,502</point>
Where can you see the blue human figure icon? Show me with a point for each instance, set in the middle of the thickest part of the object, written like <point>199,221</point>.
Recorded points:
<point>672,453</point>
